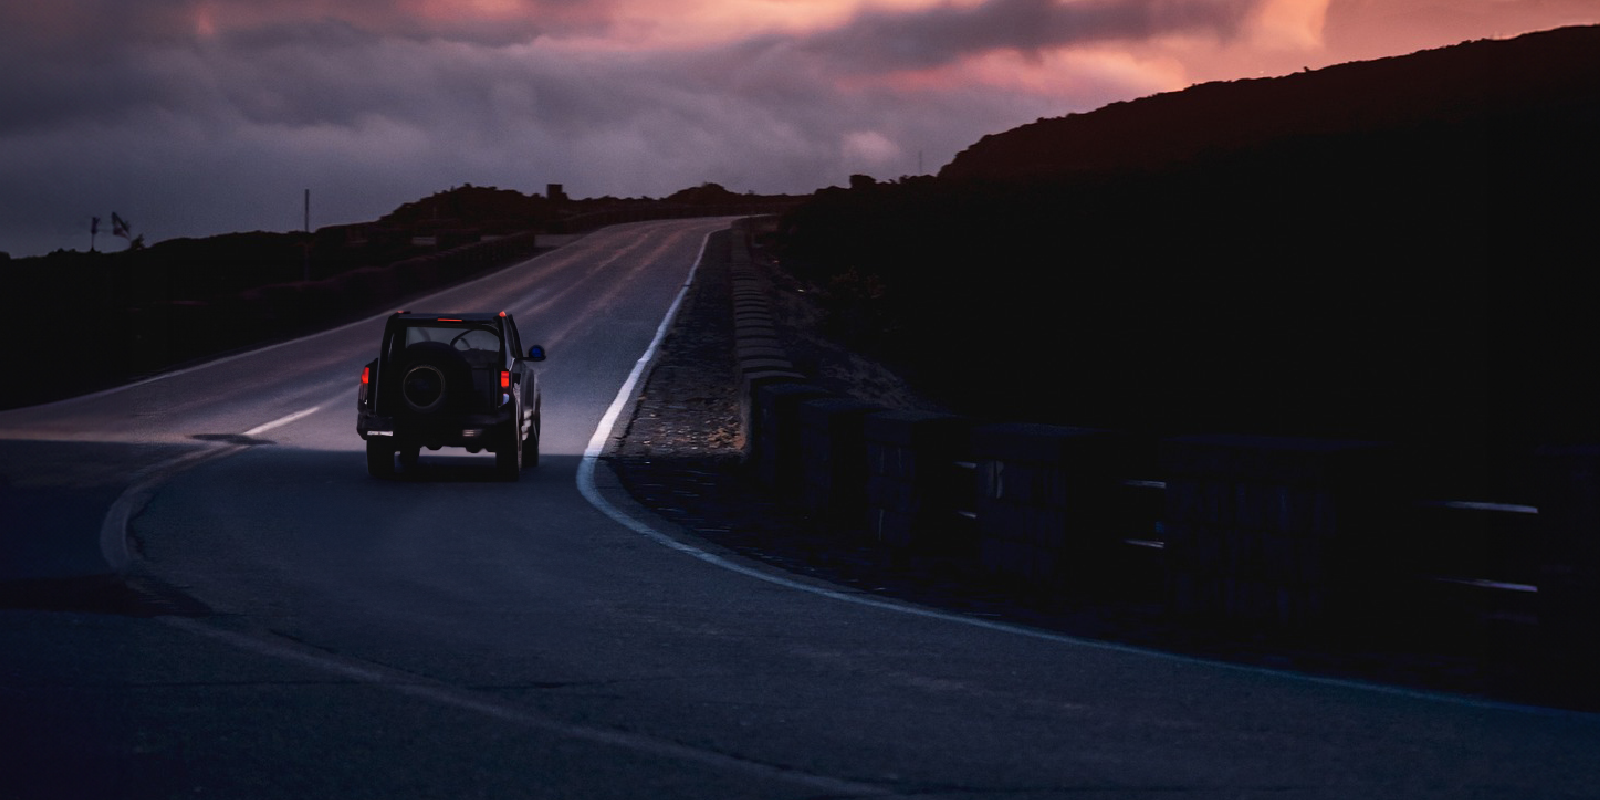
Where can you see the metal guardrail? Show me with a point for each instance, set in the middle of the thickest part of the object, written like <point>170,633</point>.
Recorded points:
<point>1503,556</point>
<point>1475,571</point>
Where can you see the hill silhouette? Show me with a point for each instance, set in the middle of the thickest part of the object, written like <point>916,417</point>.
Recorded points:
<point>1396,249</point>
<point>1530,76</point>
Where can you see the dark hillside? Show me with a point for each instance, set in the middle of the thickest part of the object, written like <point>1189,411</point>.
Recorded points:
<point>1418,276</point>
<point>479,209</point>
<point>1530,75</point>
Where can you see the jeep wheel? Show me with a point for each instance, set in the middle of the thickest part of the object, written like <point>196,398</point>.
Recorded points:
<point>530,446</point>
<point>380,458</point>
<point>508,459</point>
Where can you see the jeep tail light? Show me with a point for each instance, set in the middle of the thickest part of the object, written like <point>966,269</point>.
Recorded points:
<point>366,375</point>
<point>505,379</point>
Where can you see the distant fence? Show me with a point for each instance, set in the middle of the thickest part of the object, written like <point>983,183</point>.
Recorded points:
<point>1278,536</point>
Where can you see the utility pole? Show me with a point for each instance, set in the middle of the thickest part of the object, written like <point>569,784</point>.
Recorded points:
<point>305,263</point>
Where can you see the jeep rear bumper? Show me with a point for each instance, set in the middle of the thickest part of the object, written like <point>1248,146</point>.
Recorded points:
<point>473,431</point>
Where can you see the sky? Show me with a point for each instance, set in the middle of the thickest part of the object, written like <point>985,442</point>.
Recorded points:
<point>197,117</point>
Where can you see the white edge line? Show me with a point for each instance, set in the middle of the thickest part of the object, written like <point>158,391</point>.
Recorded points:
<point>282,421</point>
<point>116,525</point>
<point>590,491</point>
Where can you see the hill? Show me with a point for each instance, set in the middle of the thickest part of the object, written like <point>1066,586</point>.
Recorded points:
<point>1531,76</point>
<point>1395,249</point>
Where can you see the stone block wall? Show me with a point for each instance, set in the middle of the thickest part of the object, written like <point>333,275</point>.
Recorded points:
<point>921,480</point>
<point>833,456</point>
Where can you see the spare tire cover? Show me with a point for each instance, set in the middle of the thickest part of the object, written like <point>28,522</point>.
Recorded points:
<point>433,378</point>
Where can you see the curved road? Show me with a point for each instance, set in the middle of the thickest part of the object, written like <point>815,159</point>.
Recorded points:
<point>452,636</point>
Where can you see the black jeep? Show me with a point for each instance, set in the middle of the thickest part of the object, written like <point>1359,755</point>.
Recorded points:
<point>450,380</point>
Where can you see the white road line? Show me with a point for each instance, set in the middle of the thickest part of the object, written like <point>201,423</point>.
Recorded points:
<point>115,525</point>
<point>466,700</point>
<point>591,492</point>
<point>282,421</point>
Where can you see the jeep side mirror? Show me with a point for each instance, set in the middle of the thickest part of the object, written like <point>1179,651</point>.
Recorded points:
<point>536,353</point>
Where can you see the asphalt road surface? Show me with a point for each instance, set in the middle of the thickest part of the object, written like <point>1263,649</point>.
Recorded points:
<point>452,636</point>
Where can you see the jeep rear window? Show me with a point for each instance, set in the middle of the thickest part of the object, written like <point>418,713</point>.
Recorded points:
<point>462,337</point>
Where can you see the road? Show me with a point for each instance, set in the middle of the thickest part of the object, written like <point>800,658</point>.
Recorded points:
<point>454,636</point>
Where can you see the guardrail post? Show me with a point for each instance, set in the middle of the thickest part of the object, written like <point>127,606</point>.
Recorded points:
<point>775,447</point>
<point>1046,502</point>
<point>916,491</point>
<point>834,462</point>
<point>1277,533</point>
<point>1569,575</point>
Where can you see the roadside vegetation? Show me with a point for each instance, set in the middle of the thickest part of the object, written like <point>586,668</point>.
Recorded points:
<point>147,308</point>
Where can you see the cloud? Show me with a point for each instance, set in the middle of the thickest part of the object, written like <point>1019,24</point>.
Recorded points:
<point>1364,29</point>
<point>878,40</point>
<point>1291,24</point>
<point>106,24</point>
<point>193,117</point>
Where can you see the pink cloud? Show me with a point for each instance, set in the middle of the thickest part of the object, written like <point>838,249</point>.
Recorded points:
<point>195,114</point>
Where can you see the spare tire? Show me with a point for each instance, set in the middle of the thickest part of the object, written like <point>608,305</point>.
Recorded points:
<point>434,378</point>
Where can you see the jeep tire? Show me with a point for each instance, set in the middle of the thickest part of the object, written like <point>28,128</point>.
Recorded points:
<point>508,458</point>
<point>380,458</point>
<point>530,445</point>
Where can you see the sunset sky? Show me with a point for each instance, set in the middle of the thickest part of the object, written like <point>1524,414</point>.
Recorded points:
<point>195,117</point>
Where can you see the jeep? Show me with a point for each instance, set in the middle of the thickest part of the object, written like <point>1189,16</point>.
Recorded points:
<point>450,380</point>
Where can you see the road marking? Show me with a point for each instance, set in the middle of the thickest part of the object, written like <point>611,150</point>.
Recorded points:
<point>282,421</point>
<point>115,525</point>
<point>442,694</point>
<point>588,487</point>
